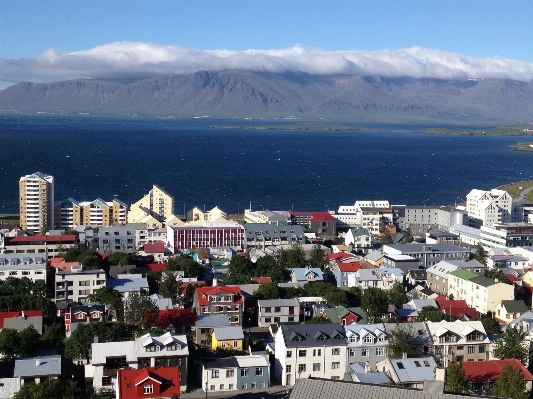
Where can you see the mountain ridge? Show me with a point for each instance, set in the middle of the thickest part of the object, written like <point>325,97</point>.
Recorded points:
<point>246,93</point>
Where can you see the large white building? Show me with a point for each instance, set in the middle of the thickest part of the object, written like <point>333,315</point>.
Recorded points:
<point>486,208</point>
<point>36,199</point>
<point>76,285</point>
<point>71,213</point>
<point>367,214</point>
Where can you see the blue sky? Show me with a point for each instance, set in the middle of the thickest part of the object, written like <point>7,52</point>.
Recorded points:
<point>476,29</point>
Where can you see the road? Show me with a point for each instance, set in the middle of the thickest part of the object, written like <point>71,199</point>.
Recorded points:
<point>275,392</point>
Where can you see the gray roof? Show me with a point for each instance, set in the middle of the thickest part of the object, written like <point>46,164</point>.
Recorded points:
<point>225,333</point>
<point>214,320</point>
<point>127,285</point>
<point>357,371</point>
<point>220,363</point>
<point>278,302</point>
<point>21,323</point>
<point>413,369</point>
<point>314,388</point>
<point>306,335</point>
<point>37,366</point>
<point>418,304</point>
<point>375,255</point>
<point>418,274</point>
<point>416,247</point>
<point>272,231</point>
<point>466,264</point>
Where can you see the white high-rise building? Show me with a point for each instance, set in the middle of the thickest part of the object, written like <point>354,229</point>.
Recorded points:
<point>36,198</point>
<point>486,208</point>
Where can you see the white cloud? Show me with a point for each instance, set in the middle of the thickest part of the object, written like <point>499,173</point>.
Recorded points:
<point>137,59</point>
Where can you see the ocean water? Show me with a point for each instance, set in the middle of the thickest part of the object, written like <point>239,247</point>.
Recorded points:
<point>102,157</point>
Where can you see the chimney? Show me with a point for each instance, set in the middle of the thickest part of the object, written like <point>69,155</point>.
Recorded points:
<point>367,367</point>
<point>95,340</point>
<point>404,355</point>
<point>37,362</point>
<point>23,315</point>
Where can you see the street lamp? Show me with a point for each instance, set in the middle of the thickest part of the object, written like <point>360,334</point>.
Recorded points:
<point>206,377</point>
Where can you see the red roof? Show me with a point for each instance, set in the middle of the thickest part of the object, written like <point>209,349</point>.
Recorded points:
<point>349,266</point>
<point>512,278</point>
<point>174,317</point>
<point>204,292</point>
<point>156,267</point>
<point>261,280</point>
<point>164,380</point>
<point>184,285</point>
<point>489,370</point>
<point>455,308</point>
<point>40,238</point>
<point>339,256</point>
<point>157,247</point>
<point>321,216</point>
<point>9,315</point>
<point>57,260</point>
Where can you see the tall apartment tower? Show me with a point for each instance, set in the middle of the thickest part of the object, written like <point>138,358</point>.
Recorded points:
<point>36,196</point>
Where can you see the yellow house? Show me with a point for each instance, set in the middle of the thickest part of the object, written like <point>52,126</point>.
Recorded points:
<point>230,337</point>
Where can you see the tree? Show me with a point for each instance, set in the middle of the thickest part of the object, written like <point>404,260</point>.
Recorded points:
<point>456,379</point>
<point>268,266</point>
<point>480,255</point>
<point>24,294</point>
<point>397,295</point>
<point>140,311</point>
<point>429,313</point>
<point>401,342</point>
<point>510,383</point>
<point>497,274</point>
<point>169,286</point>
<point>375,303</point>
<point>318,320</point>
<point>491,325</point>
<point>91,259</point>
<point>268,291</point>
<point>293,257</point>
<point>18,344</point>
<point>387,238</point>
<point>110,296</point>
<point>511,345</point>
<point>54,335</point>
<point>408,236</point>
<point>240,270</point>
<point>186,264</point>
<point>317,258</point>
<point>119,258</point>
<point>50,388</point>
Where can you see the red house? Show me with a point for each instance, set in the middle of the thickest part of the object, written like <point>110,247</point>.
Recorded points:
<point>457,309</point>
<point>152,382</point>
<point>483,374</point>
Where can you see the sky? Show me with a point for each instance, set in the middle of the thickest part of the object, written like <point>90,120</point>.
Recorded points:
<point>50,40</point>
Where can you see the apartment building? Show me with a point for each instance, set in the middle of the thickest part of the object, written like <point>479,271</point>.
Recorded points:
<point>36,200</point>
<point>47,246</point>
<point>322,223</point>
<point>30,266</point>
<point>419,219</point>
<point>316,350</point>
<point>220,300</point>
<point>76,285</point>
<point>437,275</point>
<point>428,255</point>
<point>153,209</point>
<point>275,311</point>
<point>122,237</point>
<point>479,292</point>
<point>262,235</point>
<point>486,208</point>
<point>368,214</point>
<point>506,235</point>
<point>71,213</point>
<point>366,343</point>
<point>209,234</point>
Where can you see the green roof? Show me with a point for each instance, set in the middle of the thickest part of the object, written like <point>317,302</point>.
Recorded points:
<point>220,264</point>
<point>515,306</point>
<point>464,274</point>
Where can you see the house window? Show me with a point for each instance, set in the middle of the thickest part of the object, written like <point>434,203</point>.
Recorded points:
<point>259,371</point>
<point>148,389</point>
<point>214,373</point>
<point>335,351</point>
<point>268,310</point>
<point>221,387</point>
<point>289,353</point>
<point>302,353</point>
<point>223,343</point>
<point>317,352</point>
<point>471,349</point>
<point>277,309</point>
<point>244,385</point>
<point>288,368</point>
<point>230,386</point>
<point>481,348</point>
<point>230,373</point>
<point>353,338</point>
<point>301,368</point>
<point>268,319</point>
<point>244,372</point>
<point>380,351</point>
<point>351,352</point>
<point>263,384</point>
<point>365,352</point>
<point>368,339</point>
<point>212,387</point>
<point>316,366</point>
<point>381,338</point>
<point>235,344</point>
<point>335,365</point>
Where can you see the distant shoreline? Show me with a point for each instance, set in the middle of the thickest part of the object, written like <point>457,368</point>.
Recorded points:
<point>499,131</point>
<point>295,127</point>
<point>526,146</point>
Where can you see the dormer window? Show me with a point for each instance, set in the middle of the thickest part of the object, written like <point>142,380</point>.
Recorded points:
<point>368,339</point>
<point>152,348</point>
<point>381,338</point>
<point>173,347</point>
<point>353,338</point>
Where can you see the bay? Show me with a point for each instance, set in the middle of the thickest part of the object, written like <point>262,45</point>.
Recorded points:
<point>102,157</point>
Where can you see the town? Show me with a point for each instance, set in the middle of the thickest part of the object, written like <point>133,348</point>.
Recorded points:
<point>100,299</point>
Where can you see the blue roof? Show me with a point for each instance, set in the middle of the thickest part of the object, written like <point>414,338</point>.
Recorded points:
<point>214,320</point>
<point>301,273</point>
<point>392,270</point>
<point>128,285</point>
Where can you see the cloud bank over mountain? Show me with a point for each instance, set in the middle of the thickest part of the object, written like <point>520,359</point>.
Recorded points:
<point>138,59</point>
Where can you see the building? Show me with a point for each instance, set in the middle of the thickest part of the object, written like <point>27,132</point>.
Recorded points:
<point>196,215</point>
<point>229,337</point>
<point>428,255</point>
<point>507,311</point>
<point>71,213</point>
<point>263,217</point>
<point>36,200</point>
<point>220,300</point>
<point>37,369</point>
<point>48,246</point>
<point>359,238</point>
<point>76,285</point>
<point>409,372</point>
<point>30,266</point>
<point>306,274</point>
<point>372,215</point>
<point>154,208</point>
<point>206,324</point>
<point>310,350</point>
<point>127,284</point>
<point>167,350</point>
<point>85,314</point>
<point>419,219</point>
<point>322,223</point>
<point>483,374</point>
<point>263,235</point>
<point>437,275</point>
<point>367,343</point>
<point>487,208</point>
<point>506,235</point>
<point>122,237</point>
<point>480,292</point>
<point>209,234</point>
<point>275,311</point>
<point>151,382</point>
<point>21,320</point>
<point>235,373</point>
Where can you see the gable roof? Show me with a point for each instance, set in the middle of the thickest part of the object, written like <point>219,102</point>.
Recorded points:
<point>213,320</point>
<point>261,280</point>
<point>203,293</point>
<point>515,306</point>
<point>228,332</point>
<point>300,273</point>
<point>349,266</point>
<point>37,366</point>
<point>166,377</point>
<point>489,370</point>
<point>27,314</point>
<point>303,335</point>
<point>128,284</point>
<point>413,369</point>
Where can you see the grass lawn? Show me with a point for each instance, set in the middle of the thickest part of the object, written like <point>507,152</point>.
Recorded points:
<point>516,188</point>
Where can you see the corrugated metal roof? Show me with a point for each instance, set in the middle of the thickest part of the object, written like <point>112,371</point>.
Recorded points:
<point>232,332</point>
<point>37,366</point>
<point>252,361</point>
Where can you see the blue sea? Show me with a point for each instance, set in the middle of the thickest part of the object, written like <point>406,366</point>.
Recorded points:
<point>104,157</point>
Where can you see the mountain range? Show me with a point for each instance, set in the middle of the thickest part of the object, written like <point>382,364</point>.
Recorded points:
<point>241,94</point>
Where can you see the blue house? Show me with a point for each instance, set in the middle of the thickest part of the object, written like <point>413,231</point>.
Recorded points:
<point>305,274</point>
<point>253,372</point>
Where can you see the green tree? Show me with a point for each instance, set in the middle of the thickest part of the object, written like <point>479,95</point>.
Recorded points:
<point>387,237</point>
<point>401,342</point>
<point>169,286</point>
<point>408,235</point>
<point>397,295</point>
<point>317,258</point>
<point>48,389</point>
<point>510,384</point>
<point>188,296</point>
<point>54,335</point>
<point>375,303</point>
<point>268,266</point>
<point>511,345</point>
<point>480,255</point>
<point>318,320</point>
<point>186,264</point>
<point>71,254</point>
<point>119,258</point>
<point>491,325</point>
<point>268,291</point>
<point>18,344</point>
<point>91,259</point>
<point>292,257</point>
<point>140,311</point>
<point>23,294</point>
<point>110,296</point>
<point>429,313</point>
<point>456,379</point>
<point>497,274</point>
<point>240,270</point>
